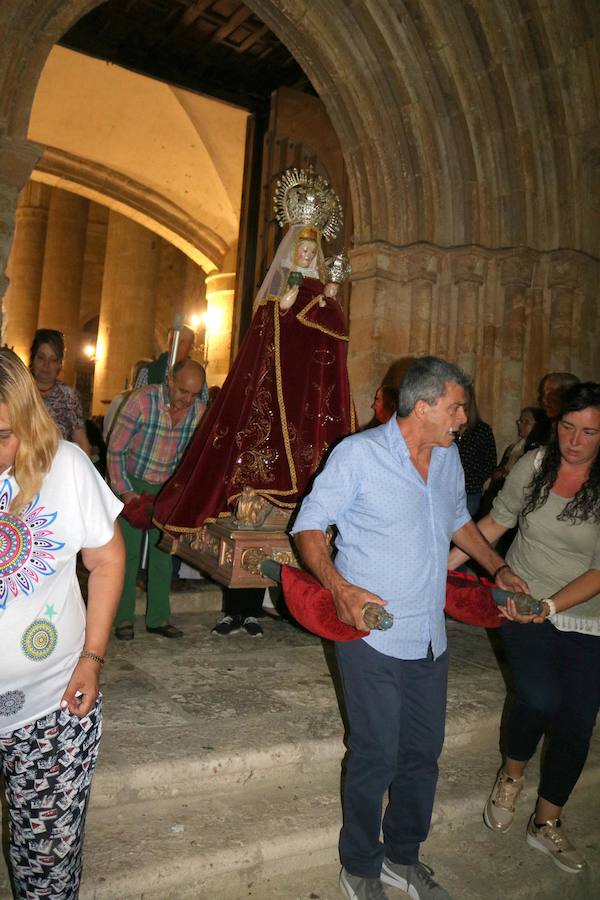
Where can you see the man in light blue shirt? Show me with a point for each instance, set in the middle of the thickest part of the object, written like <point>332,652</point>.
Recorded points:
<point>396,495</point>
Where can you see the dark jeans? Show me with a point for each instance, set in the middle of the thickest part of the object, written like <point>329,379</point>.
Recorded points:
<point>557,681</point>
<point>396,712</point>
<point>243,601</point>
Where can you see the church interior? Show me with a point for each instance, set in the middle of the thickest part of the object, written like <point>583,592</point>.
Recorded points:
<point>140,145</point>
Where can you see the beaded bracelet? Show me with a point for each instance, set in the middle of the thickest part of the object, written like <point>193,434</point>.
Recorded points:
<point>499,569</point>
<point>87,654</point>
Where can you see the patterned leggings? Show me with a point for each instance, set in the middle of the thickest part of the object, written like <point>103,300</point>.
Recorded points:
<point>47,767</point>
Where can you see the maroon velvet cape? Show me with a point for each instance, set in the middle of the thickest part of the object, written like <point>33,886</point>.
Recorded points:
<point>284,402</point>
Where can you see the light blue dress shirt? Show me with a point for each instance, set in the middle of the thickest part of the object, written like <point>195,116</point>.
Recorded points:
<point>394,531</point>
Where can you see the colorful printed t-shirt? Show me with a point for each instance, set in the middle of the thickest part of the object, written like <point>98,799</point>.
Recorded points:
<point>42,615</point>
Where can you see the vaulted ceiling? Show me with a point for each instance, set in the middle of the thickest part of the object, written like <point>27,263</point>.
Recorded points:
<point>219,47</point>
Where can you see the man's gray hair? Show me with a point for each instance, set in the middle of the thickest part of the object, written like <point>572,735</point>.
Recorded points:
<point>426,379</point>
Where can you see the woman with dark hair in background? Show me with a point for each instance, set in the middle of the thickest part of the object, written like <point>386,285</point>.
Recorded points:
<point>553,494</point>
<point>477,451</point>
<point>385,403</point>
<point>533,429</point>
<point>62,402</point>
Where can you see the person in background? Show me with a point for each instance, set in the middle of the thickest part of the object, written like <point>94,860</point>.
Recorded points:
<point>553,495</point>
<point>63,403</point>
<point>550,388</point>
<point>385,403</point>
<point>146,444</point>
<point>157,372</point>
<point>54,504</point>
<point>114,407</point>
<point>477,450</point>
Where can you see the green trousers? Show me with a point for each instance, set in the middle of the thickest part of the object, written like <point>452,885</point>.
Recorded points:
<point>159,568</point>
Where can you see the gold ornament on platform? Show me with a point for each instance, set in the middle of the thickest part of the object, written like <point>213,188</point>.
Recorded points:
<point>338,268</point>
<point>304,198</point>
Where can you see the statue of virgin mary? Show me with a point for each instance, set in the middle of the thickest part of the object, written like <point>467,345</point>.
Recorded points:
<point>287,396</point>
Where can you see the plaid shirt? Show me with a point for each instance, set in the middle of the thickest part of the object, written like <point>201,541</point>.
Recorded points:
<point>144,443</point>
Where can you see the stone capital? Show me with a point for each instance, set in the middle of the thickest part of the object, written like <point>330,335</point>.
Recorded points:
<point>565,269</point>
<point>469,265</point>
<point>422,263</point>
<point>221,281</point>
<point>377,259</point>
<point>517,268</point>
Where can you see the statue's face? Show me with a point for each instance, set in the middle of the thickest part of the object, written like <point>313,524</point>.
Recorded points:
<point>305,253</point>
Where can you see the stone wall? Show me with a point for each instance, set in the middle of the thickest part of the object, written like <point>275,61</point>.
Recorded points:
<point>506,316</point>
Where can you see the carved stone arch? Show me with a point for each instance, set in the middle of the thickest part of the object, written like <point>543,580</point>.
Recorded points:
<point>136,201</point>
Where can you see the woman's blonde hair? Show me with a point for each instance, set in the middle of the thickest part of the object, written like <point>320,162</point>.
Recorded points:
<point>30,422</point>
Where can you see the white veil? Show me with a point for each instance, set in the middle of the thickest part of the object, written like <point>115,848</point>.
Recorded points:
<point>275,281</point>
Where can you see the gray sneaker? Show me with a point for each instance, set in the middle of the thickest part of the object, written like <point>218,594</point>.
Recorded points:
<point>417,881</point>
<point>357,888</point>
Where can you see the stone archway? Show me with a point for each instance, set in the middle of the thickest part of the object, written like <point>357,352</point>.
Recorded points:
<point>470,139</point>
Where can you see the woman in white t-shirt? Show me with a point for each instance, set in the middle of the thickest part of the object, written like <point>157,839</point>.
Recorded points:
<point>53,504</point>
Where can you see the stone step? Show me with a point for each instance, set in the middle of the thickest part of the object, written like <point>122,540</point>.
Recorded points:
<point>216,844</point>
<point>246,713</point>
<point>199,596</point>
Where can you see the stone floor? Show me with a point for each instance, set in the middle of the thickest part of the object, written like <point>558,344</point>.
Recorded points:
<point>220,766</point>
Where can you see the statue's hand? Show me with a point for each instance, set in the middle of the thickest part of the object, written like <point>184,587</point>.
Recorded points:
<point>288,299</point>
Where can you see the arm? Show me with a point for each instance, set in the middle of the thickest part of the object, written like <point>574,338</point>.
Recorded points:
<point>474,540</point>
<point>577,591</point>
<point>348,598</point>
<point>80,438</point>
<point>288,299</point>
<point>490,530</point>
<point>106,566</point>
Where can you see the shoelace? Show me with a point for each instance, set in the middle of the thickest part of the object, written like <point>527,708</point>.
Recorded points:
<point>550,830</point>
<point>508,791</point>
<point>424,873</point>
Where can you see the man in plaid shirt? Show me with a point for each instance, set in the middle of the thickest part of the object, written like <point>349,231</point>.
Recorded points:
<point>146,444</point>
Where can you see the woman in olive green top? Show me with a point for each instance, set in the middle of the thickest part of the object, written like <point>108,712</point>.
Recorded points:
<point>553,494</point>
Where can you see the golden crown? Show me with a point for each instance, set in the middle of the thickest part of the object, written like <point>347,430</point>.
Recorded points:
<point>338,268</point>
<point>304,198</point>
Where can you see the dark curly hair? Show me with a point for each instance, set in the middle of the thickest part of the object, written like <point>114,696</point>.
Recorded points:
<point>585,505</point>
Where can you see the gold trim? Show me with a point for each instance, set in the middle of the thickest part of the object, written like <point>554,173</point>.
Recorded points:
<point>301,318</point>
<point>279,385</point>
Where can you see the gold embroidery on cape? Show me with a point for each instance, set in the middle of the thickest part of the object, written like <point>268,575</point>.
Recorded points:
<point>301,316</point>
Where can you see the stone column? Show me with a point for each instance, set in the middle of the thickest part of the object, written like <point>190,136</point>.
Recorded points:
<point>93,263</point>
<point>380,306</point>
<point>25,266</point>
<point>170,293</point>
<point>563,281</point>
<point>220,291</point>
<point>18,156</point>
<point>515,277</point>
<point>468,274</point>
<point>422,277</point>
<point>63,272</point>
<point>127,308</point>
